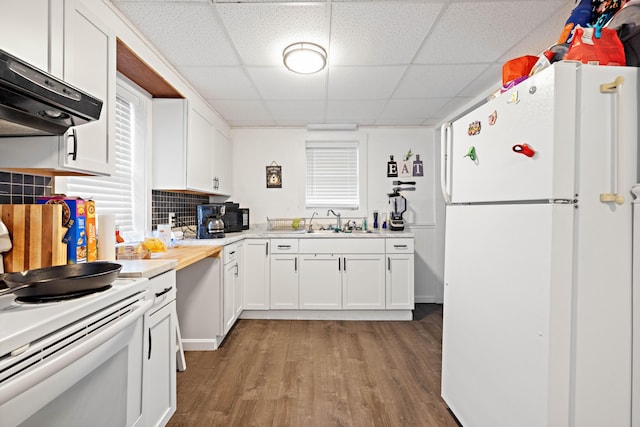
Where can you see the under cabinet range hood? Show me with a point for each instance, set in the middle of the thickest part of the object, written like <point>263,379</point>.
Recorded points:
<point>33,102</point>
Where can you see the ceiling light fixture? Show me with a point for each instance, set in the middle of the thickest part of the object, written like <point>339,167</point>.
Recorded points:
<point>304,58</point>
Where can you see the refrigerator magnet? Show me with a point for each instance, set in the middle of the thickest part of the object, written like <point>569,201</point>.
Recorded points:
<point>471,153</point>
<point>474,128</point>
<point>492,118</point>
<point>524,149</point>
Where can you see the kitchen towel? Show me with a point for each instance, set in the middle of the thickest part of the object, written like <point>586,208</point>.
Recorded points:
<point>106,237</point>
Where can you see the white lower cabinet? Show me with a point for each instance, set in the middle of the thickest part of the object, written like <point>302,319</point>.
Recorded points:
<point>232,286</point>
<point>363,282</point>
<point>342,274</point>
<point>284,282</point>
<point>320,282</point>
<point>283,277</point>
<point>400,274</point>
<point>159,391</point>
<point>256,274</point>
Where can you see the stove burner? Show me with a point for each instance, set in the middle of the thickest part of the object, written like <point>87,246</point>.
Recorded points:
<point>55,298</point>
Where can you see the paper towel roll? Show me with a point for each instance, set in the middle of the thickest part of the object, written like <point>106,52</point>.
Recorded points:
<point>106,237</point>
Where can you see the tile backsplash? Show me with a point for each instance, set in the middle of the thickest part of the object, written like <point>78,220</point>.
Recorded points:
<point>183,205</point>
<point>18,188</point>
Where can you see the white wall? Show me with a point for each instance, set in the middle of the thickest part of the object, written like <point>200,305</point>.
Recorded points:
<point>254,149</point>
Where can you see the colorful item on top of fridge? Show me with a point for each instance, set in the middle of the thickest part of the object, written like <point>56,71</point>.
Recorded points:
<point>602,11</point>
<point>627,23</point>
<point>474,128</point>
<point>517,69</point>
<point>580,15</point>
<point>493,117</point>
<point>589,49</point>
<point>524,149</point>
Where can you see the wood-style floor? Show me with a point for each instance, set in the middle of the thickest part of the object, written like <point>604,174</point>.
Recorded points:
<point>319,373</point>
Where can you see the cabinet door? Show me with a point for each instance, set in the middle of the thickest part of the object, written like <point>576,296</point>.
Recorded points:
<point>363,285</point>
<point>284,282</point>
<point>400,281</point>
<point>229,312</point>
<point>24,31</point>
<point>221,163</point>
<point>238,296</point>
<point>160,367</point>
<point>199,153</point>
<point>90,64</point>
<point>255,268</point>
<point>320,282</point>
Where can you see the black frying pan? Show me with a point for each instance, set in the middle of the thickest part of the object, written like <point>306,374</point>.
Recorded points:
<point>61,280</point>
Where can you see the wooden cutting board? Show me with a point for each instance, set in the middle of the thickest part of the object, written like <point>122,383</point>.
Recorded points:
<point>36,236</point>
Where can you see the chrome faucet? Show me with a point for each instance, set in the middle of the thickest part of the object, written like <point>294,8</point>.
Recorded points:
<point>311,229</point>
<point>339,221</point>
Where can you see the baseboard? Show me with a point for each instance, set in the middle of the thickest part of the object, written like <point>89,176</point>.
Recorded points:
<point>189,344</point>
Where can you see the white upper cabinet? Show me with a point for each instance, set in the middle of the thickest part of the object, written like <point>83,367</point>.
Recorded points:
<point>90,64</point>
<point>222,163</point>
<point>69,41</point>
<point>183,143</point>
<point>28,39</point>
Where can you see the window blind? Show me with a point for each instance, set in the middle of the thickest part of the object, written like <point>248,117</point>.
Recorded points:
<point>332,174</point>
<point>114,194</point>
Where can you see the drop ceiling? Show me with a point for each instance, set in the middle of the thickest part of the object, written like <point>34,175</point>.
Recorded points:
<point>390,63</point>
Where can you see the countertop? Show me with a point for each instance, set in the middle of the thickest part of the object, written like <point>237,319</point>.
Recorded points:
<point>175,258</point>
<point>190,250</point>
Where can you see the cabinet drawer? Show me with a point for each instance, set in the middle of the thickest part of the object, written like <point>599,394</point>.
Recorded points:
<point>403,245</point>
<point>163,288</point>
<point>284,246</point>
<point>230,253</point>
<point>343,245</point>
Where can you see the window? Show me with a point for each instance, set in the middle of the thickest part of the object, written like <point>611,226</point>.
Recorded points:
<point>123,194</point>
<point>332,174</point>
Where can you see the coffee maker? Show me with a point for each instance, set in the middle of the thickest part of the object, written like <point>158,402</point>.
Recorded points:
<point>210,224</point>
<point>398,205</point>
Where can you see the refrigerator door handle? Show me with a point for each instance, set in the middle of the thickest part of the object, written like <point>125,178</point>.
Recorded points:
<point>445,161</point>
<point>616,184</point>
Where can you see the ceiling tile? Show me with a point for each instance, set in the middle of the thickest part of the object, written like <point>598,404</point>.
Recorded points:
<point>486,81</point>
<point>411,111</point>
<point>364,82</point>
<point>220,82</point>
<point>280,83</point>
<point>436,81</point>
<point>470,32</point>
<point>297,112</point>
<point>360,112</point>
<point>261,31</point>
<point>185,33</point>
<point>379,33</point>
<point>234,110</point>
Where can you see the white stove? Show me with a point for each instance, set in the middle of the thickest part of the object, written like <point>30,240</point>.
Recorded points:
<point>22,323</point>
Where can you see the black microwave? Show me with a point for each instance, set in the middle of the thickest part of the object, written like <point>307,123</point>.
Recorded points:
<point>235,218</point>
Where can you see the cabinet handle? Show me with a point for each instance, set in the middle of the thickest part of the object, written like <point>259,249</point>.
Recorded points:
<point>236,270</point>
<point>266,252</point>
<point>345,264</point>
<point>339,267</point>
<point>400,246</point>
<point>232,252</point>
<point>159,294</point>
<point>284,246</point>
<point>295,264</point>
<point>74,138</point>
<point>149,355</point>
<point>389,263</point>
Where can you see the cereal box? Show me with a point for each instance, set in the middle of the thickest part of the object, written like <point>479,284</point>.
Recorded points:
<point>74,217</point>
<point>92,246</point>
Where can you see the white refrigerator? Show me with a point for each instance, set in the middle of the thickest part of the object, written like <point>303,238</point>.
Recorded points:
<point>538,252</point>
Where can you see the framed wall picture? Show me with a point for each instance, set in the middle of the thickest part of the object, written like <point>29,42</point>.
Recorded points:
<point>274,175</point>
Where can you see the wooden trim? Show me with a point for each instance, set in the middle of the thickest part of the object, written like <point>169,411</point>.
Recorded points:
<point>138,71</point>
